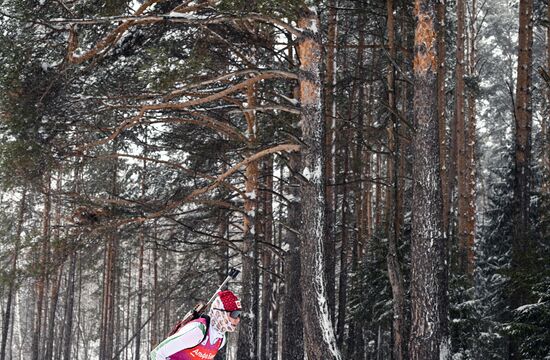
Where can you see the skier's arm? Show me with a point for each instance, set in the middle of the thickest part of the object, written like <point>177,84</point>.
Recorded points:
<point>187,337</point>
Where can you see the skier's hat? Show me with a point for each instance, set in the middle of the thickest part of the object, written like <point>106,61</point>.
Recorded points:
<point>229,300</point>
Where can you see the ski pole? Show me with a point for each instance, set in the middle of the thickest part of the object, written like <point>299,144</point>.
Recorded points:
<point>199,308</point>
<point>232,274</point>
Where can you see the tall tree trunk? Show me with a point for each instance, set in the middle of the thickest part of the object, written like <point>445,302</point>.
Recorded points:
<point>378,203</point>
<point>53,308</point>
<point>470,146</point>
<point>394,199</point>
<point>354,343</point>
<point>546,119</point>
<point>441,113</point>
<point>522,245</point>
<point>267,261</point>
<point>427,247</point>
<point>319,339</point>
<point>58,256</point>
<point>248,333</point>
<point>292,339</point>
<point>460,139</point>
<point>69,308</point>
<point>13,274</point>
<point>344,246</point>
<point>330,150</point>
<point>139,295</point>
<point>446,163</point>
<point>277,339</point>
<point>155,306</point>
<point>109,284</point>
<point>141,260</point>
<point>369,222</point>
<point>36,351</point>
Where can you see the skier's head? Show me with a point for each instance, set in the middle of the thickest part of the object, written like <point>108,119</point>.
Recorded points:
<point>225,312</point>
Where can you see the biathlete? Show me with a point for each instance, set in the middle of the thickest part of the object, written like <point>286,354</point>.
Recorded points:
<point>202,338</point>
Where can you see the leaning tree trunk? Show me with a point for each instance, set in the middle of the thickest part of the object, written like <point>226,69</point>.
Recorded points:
<point>319,339</point>
<point>427,341</point>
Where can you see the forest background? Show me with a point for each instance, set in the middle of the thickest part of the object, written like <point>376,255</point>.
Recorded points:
<point>378,169</point>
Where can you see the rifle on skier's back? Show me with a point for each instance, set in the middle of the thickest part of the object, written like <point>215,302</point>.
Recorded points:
<point>201,307</point>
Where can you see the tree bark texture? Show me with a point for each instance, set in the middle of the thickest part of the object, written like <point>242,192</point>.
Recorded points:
<point>248,333</point>
<point>292,339</point>
<point>522,244</point>
<point>267,261</point>
<point>344,251</point>
<point>441,113</point>
<point>109,284</point>
<point>470,146</point>
<point>523,123</point>
<point>427,247</point>
<point>393,198</point>
<point>319,339</point>
<point>461,167</point>
<point>545,132</point>
<point>330,151</point>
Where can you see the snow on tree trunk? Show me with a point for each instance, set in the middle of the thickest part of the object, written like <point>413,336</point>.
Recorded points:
<point>330,151</point>
<point>470,145</point>
<point>427,248</point>
<point>319,339</point>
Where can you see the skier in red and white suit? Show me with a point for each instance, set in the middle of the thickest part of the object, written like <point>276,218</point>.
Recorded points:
<point>197,339</point>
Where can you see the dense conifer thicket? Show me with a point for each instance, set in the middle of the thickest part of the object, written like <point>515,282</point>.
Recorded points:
<point>379,171</point>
